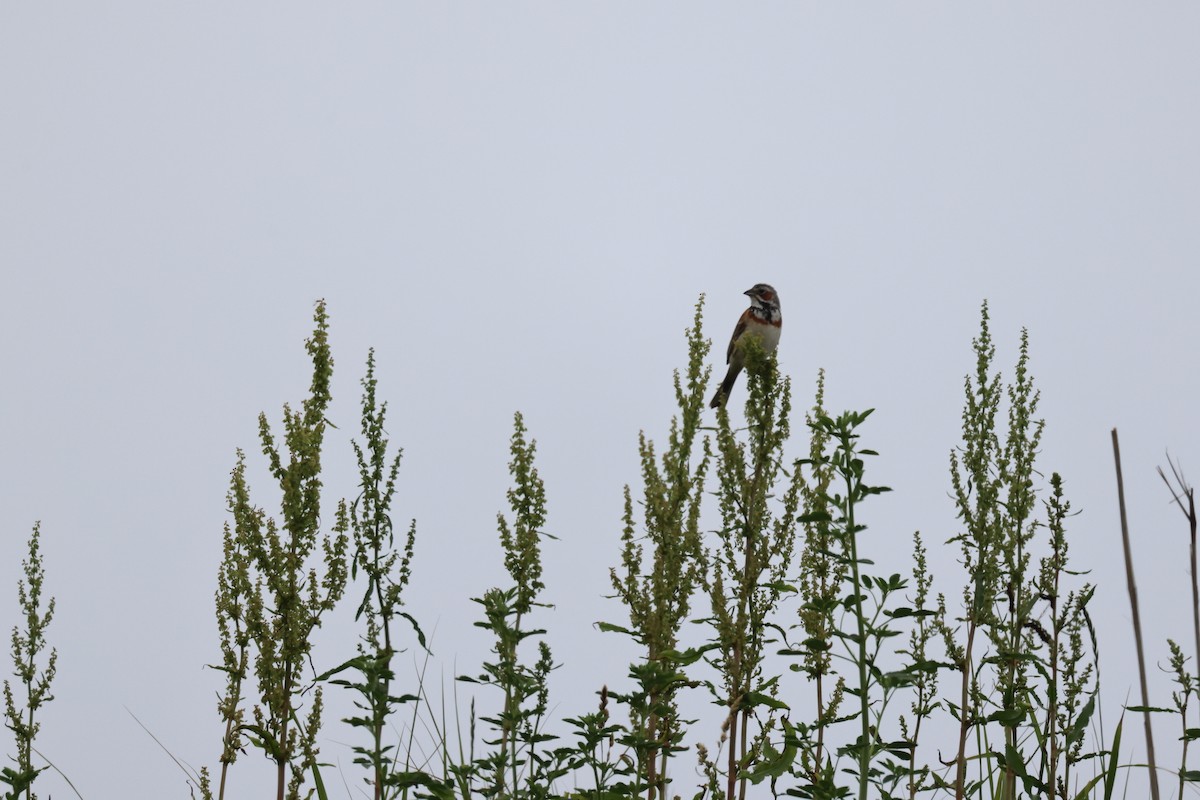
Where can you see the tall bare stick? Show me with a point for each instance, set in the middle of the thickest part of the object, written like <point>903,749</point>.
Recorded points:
<point>1180,491</point>
<point>1137,620</point>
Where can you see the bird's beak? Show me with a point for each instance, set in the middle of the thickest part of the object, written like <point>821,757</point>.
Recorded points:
<point>748,292</point>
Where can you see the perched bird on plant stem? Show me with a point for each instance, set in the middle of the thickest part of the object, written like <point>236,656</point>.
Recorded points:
<point>762,320</point>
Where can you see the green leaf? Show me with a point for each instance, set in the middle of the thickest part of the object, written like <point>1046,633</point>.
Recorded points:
<point>760,699</point>
<point>319,783</point>
<point>1079,727</point>
<point>775,763</point>
<point>440,790</point>
<point>416,629</point>
<point>1015,761</point>
<point>1110,778</point>
<point>1007,718</point>
<point>686,657</point>
<point>354,663</point>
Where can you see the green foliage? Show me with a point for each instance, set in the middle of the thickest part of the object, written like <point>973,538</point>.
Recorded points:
<point>863,637</point>
<point>657,587</point>
<point>593,753</point>
<point>520,766</point>
<point>927,624</point>
<point>34,675</point>
<point>385,571</point>
<point>271,596</point>
<point>1037,682</point>
<point>1181,698</point>
<point>745,572</point>
<point>865,603</point>
<point>234,591</point>
<point>819,584</point>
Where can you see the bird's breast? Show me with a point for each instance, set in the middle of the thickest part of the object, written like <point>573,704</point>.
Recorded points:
<point>767,333</point>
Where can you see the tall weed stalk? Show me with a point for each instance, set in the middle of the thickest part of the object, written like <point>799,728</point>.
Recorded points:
<point>656,586</point>
<point>520,765</point>
<point>384,572</point>
<point>746,571</point>
<point>33,669</point>
<point>1025,647</point>
<point>271,595</point>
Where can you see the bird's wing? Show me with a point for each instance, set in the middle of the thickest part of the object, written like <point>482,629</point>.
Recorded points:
<point>737,334</point>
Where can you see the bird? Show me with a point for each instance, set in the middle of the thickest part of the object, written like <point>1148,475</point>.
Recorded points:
<point>763,320</point>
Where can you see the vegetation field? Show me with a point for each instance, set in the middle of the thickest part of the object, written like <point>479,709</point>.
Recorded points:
<point>745,582</point>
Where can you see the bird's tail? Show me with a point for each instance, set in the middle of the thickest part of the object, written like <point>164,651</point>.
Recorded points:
<point>726,387</point>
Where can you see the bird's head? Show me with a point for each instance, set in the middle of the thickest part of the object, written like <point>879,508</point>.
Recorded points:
<point>763,295</point>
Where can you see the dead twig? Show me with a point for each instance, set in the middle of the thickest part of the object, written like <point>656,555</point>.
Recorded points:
<point>1137,620</point>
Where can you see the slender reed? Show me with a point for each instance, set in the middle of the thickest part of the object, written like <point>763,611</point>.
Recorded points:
<point>1137,621</point>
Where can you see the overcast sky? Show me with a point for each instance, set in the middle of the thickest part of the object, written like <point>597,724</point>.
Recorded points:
<point>517,205</point>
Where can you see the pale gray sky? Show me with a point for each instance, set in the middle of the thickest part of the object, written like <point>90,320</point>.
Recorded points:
<point>517,204</point>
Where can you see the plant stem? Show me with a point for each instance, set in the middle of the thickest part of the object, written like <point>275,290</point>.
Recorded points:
<point>1052,700</point>
<point>960,772</point>
<point>819,761</point>
<point>384,611</point>
<point>224,761</point>
<point>1191,493</point>
<point>864,752</point>
<point>281,768</point>
<point>731,780</point>
<point>1137,621</point>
